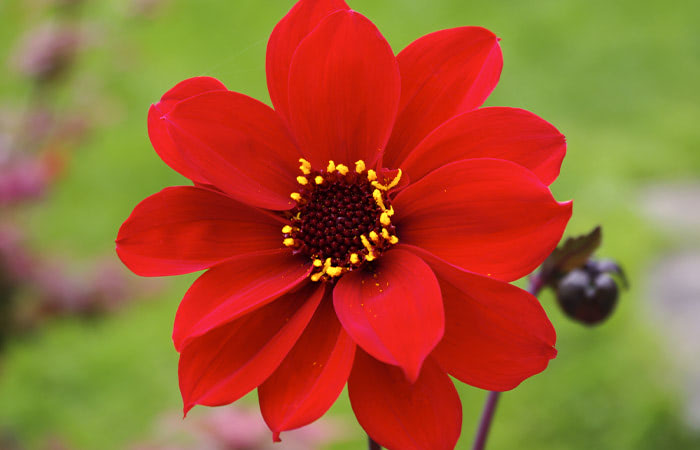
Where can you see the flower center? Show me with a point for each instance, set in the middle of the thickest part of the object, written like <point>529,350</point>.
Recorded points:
<point>342,219</point>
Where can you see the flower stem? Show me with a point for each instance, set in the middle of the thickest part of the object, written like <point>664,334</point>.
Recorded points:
<point>373,445</point>
<point>536,285</point>
<point>486,417</point>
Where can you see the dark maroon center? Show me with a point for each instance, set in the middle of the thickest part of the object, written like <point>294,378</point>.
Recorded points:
<point>332,216</point>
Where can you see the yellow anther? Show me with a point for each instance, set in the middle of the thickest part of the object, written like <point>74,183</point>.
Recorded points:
<point>371,175</point>
<point>374,236</point>
<point>305,166</point>
<point>318,179</point>
<point>391,184</point>
<point>287,229</point>
<point>343,169</point>
<point>318,263</point>
<point>317,276</point>
<point>385,234</point>
<point>354,259</point>
<point>289,242</point>
<point>377,195</point>
<point>295,196</point>
<point>366,243</point>
<point>334,271</point>
<point>384,219</point>
<point>370,257</point>
<point>302,180</point>
<point>393,240</point>
<point>327,263</point>
<point>360,166</point>
<point>331,167</point>
<point>390,211</point>
<point>395,181</point>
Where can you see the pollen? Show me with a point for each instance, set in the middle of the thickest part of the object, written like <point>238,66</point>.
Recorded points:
<point>341,221</point>
<point>384,219</point>
<point>305,166</point>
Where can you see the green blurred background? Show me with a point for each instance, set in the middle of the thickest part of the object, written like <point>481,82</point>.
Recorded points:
<point>618,78</point>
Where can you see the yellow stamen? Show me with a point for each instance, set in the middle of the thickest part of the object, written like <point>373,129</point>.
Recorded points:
<point>393,240</point>
<point>331,167</point>
<point>295,196</point>
<point>366,243</point>
<point>287,229</point>
<point>371,175</point>
<point>317,276</point>
<point>384,219</point>
<point>343,169</point>
<point>302,180</point>
<point>360,166</point>
<point>305,166</point>
<point>334,271</point>
<point>327,264</point>
<point>289,242</point>
<point>318,179</point>
<point>370,257</point>
<point>391,184</point>
<point>318,263</point>
<point>354,259</point>
<point>374,236</point>
<point>377,195</point>
<point>385,234</point>
<point>395,181</point>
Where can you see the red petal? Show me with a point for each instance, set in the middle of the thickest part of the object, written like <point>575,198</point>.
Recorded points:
<point>442,74</point>
<point>234,288</point>
<point>184,229</point>
<point>503,133</point>
<point>284,40</point>
<point>488,216</point>
<point>496,335</point>
<point>230,361</point>
<point>239,145</point>
<point>425,415</point>
<point>344,88</point>
<point>393,311</point>
<point>311,377</point>
<point>157,130</point>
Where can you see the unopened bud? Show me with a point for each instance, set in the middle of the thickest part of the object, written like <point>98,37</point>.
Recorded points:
<point>587,296</point>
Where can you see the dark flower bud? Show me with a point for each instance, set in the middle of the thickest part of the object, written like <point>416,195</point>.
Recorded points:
<point>585,287</point>
<point>587,296</point>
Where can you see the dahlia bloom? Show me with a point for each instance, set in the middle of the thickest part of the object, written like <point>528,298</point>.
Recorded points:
<point>363,231</point>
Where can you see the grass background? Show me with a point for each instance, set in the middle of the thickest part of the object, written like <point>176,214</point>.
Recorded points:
<point>619,79</point>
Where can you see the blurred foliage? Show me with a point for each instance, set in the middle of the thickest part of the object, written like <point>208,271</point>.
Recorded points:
<point>619,79</point>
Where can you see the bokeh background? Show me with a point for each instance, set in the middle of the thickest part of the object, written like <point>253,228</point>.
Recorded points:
<point>86,360</point>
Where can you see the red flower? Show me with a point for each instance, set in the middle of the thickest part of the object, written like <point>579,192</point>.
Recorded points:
<point>363,231</point>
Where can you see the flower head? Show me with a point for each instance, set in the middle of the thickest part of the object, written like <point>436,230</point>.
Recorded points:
<point>362,231</point>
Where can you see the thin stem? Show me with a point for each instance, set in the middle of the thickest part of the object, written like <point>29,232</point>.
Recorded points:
<point>373,445</point>
<point>486,417</point>
<point>482,433</point>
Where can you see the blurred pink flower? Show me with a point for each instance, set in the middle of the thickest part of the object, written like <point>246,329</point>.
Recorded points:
<point>46,51</point>
<point>235,428</point>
